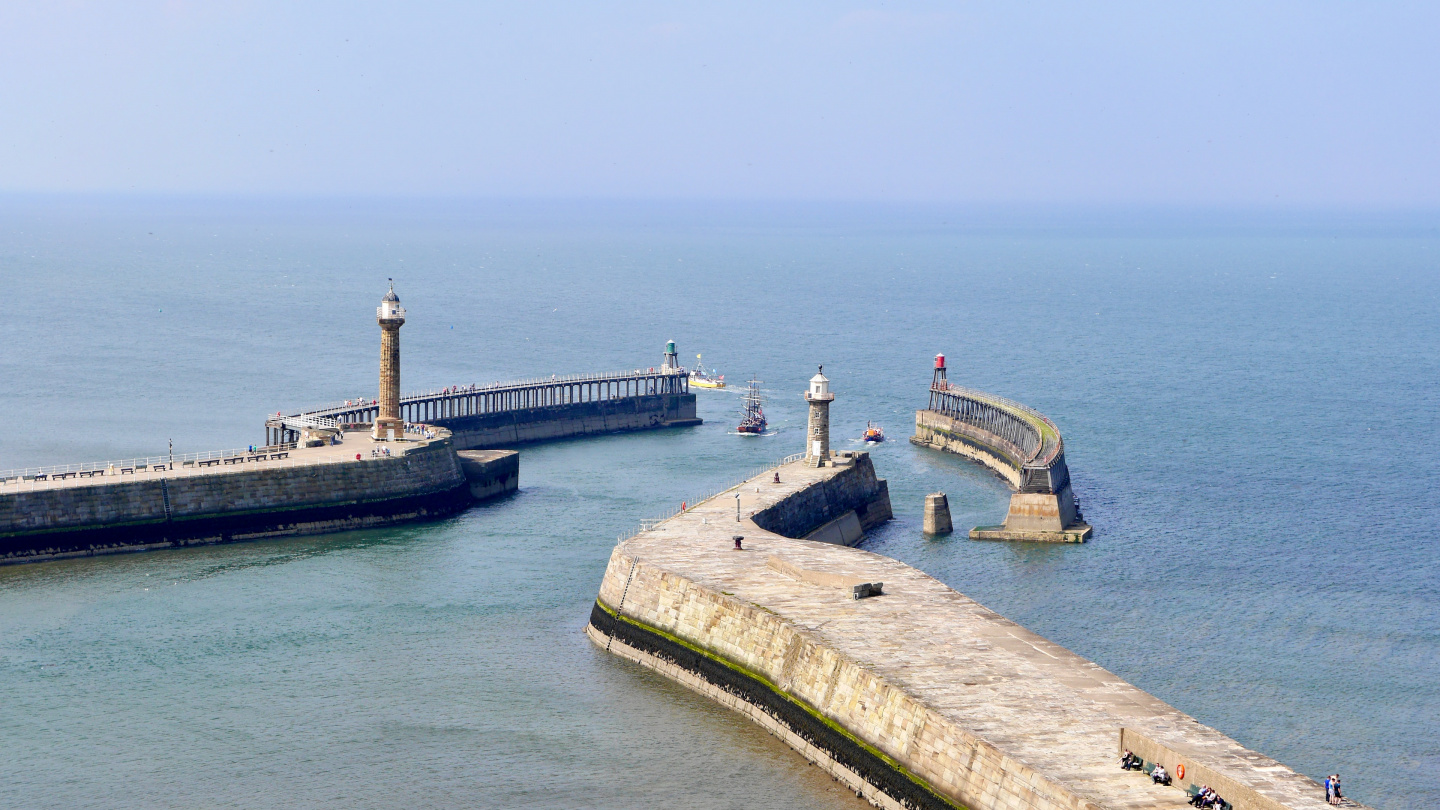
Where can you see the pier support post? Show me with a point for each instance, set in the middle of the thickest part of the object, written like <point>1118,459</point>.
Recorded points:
<point>937,514</point>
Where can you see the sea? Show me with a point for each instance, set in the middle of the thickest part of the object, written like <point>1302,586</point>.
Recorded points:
<point>1248,400</point>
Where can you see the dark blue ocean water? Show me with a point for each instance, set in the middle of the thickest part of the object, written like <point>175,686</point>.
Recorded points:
<point>1248,401</point>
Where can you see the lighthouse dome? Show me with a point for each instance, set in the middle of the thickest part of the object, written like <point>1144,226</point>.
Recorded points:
<point>390,309</point>
<point>819,385</point>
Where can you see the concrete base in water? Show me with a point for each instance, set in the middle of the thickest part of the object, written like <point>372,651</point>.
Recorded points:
<point>490,473</point>
<point>937,514</point>
<point>1039,518</point>
<point>509,428</point>
<point>915,697</point>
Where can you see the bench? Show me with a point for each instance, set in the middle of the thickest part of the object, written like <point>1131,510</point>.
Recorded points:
<point>235,460</point>
<point>42,477</point>
<point>210,462</point>
<point>1195,791</point>
<point>62,476</point>
<point>279,455</point>
<point>128,470</point>
<point>91,473</point>
<point>259,457</point>
<point>1197,772</point>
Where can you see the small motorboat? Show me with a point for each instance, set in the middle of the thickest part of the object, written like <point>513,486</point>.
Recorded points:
<point>700,378</point>
<point>752,416</point>
<point>874,434</point>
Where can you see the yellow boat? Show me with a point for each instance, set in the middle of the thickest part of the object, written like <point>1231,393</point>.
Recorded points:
<point>700,378</point>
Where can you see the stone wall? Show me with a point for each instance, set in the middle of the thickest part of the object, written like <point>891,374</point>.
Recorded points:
<point>915,697</point>
<point>887,745</point>
<point>954,436</point>
<point>223,506</point>
<point>853,487</point>
<point>490,472</point>
<point>1032,516</point>
<point>510,428</point>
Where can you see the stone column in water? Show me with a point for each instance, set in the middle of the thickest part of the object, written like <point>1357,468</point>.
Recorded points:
<point>937,514</point>
<point>817,437</point>
<point>391,316</point>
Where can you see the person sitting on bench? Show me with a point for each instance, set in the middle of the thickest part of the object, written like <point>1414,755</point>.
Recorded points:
<point>1129,762</point>
<point>1159,776</point>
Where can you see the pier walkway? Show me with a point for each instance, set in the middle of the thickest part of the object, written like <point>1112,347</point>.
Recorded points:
<point>187,465</point>
<point>453,402</point>
<point>917,697</point>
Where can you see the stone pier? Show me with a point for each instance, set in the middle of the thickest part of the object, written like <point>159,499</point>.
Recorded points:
<point>910,693</point>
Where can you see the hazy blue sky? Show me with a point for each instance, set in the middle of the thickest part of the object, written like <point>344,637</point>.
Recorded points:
<point>1281,103</point>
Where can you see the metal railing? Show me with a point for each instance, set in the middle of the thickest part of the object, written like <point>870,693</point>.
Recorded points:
<point>146,463</point>
<point>159,467</point>
<point>1015,423</point>
<point>497,387</point>
<point>304,420</point>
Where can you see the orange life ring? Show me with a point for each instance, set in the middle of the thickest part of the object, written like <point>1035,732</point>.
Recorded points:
<point>1180,771</point>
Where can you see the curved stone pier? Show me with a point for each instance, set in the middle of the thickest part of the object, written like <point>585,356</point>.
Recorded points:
<point>1017,443</point>
<point>914,695</point>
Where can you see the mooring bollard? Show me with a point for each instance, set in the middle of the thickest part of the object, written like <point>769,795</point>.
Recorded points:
<point>937,514</point>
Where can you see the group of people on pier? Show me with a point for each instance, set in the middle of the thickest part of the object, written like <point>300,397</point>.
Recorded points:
<point>1332,789</point>
<point>1205,798</point>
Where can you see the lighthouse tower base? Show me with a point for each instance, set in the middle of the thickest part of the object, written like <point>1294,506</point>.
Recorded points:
<point>388,429</point>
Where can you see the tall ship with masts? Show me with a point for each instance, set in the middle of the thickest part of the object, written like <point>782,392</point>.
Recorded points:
<point>752,415</point>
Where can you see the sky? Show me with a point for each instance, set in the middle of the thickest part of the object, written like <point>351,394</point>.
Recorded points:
<point>1216,103</point>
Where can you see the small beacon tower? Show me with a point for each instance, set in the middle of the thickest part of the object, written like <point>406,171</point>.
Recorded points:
<point>391,316</point>
<point>672,360</point>
<point>817,437</point>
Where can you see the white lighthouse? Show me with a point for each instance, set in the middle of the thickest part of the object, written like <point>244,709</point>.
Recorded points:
<point>817,437</point>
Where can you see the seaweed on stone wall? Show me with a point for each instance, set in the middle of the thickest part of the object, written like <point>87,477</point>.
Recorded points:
<point>872,766</point>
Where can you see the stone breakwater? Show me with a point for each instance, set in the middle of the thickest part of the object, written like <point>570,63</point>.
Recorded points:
<point>916,697</point>
<point>306,494</point>
<point>523,425</point>
<point>1018,444</point>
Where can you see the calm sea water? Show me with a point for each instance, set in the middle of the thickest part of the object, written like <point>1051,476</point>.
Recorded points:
<point>1249,406</point>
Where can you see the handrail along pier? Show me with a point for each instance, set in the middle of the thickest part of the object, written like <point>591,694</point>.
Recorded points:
<point>436,406</point>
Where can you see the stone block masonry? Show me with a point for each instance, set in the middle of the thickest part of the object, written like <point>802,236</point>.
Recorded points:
<point>490,472</point>
<point>509,428</point>
<point>1043,510</point>
<point>113,514</point>
<point>914,697</point>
